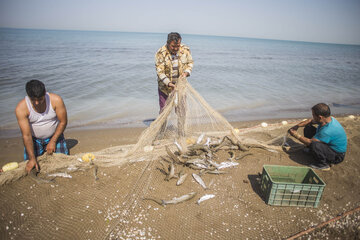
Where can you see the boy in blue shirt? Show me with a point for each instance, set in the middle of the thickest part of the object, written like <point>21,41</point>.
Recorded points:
<point>327,143</point>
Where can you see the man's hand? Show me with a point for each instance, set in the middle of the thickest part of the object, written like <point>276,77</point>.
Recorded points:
<point>185,74</point>
<point>294,133</point>
<point>50,148</point>
<point>295,128</point>
<point>171,85</point>
<point>31,164</point>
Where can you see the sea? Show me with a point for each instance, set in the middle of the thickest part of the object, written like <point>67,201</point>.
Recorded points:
<point>108,79</point>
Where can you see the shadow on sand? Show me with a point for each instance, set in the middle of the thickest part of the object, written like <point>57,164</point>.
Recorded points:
<point>70,143</point>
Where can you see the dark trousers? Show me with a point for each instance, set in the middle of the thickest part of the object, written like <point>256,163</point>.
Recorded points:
<point>322,153</point>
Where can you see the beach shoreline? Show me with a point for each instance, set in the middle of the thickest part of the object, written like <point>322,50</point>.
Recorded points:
<point>87,139</point>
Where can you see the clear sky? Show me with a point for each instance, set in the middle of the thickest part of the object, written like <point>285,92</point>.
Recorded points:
<point>330,21</point>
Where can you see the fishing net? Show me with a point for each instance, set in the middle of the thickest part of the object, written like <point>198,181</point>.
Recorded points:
<point>191,175</point>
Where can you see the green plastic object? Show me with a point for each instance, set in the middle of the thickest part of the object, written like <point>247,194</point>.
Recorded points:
<point>291,186</point>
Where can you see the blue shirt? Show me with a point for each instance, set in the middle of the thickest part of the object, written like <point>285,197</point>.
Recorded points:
<point>332,134</point>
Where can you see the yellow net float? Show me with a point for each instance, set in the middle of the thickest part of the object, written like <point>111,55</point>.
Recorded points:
<point>190,141</point>
<point>10,166</point>
<point>88,157</point>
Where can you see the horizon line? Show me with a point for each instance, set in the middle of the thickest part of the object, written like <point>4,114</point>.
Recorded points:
<point>205,35</point>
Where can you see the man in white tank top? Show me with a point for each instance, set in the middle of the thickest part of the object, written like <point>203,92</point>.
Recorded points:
<point>42,119</point>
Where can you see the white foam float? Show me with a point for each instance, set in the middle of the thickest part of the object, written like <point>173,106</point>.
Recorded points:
<point>148,148</point>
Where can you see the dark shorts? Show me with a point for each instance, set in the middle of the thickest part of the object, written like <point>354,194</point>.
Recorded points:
<point>40,146</point>
<point>322,153</point>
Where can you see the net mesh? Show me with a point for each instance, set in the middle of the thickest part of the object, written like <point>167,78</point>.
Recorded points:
<point>137,195</point>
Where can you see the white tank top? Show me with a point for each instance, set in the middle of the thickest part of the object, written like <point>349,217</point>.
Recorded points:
<point>43,125</point>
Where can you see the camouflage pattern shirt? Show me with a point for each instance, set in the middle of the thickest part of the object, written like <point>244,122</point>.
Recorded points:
<point>170,67</point>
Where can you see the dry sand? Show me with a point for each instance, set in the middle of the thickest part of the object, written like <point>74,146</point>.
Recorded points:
<point>112,207</point>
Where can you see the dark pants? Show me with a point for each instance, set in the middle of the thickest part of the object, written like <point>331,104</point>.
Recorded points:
<point>322,153</point>
<point>179,110</point>
<point>162,99</point>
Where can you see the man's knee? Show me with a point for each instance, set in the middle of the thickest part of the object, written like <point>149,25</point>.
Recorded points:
<point>315,146</point>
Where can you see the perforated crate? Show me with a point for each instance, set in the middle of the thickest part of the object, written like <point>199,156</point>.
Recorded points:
<point>291,186</point>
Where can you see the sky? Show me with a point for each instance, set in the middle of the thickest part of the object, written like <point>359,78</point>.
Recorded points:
<point>328,21</point>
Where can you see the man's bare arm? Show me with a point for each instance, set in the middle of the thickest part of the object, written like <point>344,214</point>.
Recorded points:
<point>61,113</point>
<point>22,114</point>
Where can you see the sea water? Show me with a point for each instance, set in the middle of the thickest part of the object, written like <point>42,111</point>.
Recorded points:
<point>108,79</point>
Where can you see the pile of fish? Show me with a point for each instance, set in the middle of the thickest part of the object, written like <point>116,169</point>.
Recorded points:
<point>198,157</point>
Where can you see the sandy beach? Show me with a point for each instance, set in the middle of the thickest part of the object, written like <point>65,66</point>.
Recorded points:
<point>81,208</point>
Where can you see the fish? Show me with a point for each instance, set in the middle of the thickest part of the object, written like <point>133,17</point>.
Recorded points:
<point>232,156</point>
<point>227,164</point>
<point>201,165</point>
<point>171,172</point>
<point>194,167</point>
<point>207,142</point>
<point>165,169</point>
<point>215,172</point>
<point>195,161</point>
<point>172,155</point>
<point>213,163</point>
<point>178,146</point>
<point>200,138</point>
<point>181,179</point>
<point>175,200</point>
<point>65,175</point>
<point>205,197</point>
<point>199,180</point>
<point>33,175</point>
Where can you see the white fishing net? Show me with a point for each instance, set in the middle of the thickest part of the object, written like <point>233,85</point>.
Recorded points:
<point>189,138</point>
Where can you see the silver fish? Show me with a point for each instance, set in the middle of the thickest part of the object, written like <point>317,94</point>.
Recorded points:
<point>205,197</point>
<point>199,180</point>
<point>200,138</point>
<point>227,164</point>
<point>181,179</point>
<point>216,172</point>
<point>195,161</point>
<point>34,175</point>
<point>201,165</point>
<point>175,200</point>
<point>180,199</point>
<point>232,156</point>
<point>178,146</point>
<point>213,163</point>
<point>207,142</point>
<point>60,174</point>
<point>171,155</point>
<point>171,172</point>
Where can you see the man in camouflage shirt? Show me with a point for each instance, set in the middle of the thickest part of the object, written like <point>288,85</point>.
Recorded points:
<point>172,61</point>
